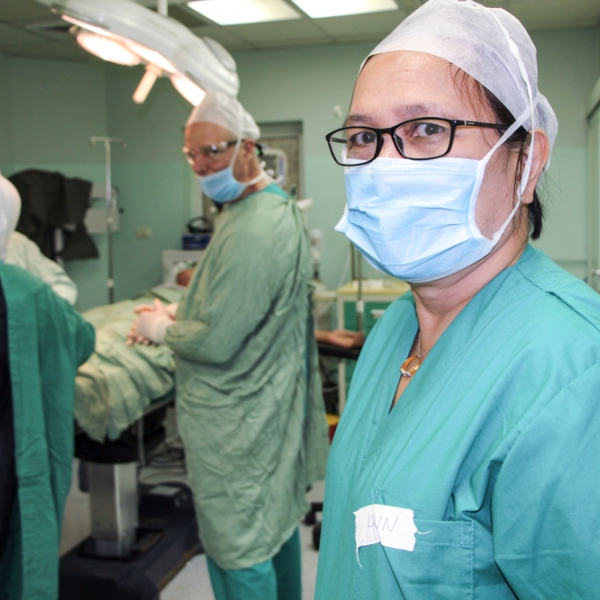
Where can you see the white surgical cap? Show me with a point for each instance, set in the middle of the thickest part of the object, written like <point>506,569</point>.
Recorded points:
<point>471,37</point>
<point>10,207</point>
<point>224,110</point>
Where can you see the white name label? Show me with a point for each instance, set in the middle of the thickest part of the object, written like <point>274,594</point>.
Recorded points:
<point>389,526</point>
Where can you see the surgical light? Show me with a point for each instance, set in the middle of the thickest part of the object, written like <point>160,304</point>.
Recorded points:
<point>166,46</point>
<point>107,48</point>
<point>85,25</point>
<point>143,89</point>
<point>193,93</point>
<point>151,56</point>
<point>336,8</point>
<point>236,12</point>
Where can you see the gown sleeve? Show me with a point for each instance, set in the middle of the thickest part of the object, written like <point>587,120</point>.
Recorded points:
<point>239,298</point>
<point>26,254</point>
<point>545,507</point>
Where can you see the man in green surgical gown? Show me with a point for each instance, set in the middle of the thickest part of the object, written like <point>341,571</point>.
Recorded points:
<point>42,342</point>
<point>250,410</point>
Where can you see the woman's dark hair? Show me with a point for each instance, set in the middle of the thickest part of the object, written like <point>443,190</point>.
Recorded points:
<point>518,141</point>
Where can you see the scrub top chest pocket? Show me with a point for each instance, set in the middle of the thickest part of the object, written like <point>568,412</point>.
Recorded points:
<point>407,558</point>
<point>440,564</point>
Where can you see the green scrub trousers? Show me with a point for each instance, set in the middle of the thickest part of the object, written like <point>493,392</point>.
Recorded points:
<point>279,578</point>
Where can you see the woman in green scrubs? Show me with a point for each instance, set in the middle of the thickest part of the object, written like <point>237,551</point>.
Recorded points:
<point>466,463</point>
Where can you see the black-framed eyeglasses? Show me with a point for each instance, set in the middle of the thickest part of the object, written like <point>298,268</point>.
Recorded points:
<point>212,151</point>
<point>417,139</point>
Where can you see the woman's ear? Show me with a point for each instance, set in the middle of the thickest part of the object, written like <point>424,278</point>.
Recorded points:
<point>541,153</point>
<point>249,147</point>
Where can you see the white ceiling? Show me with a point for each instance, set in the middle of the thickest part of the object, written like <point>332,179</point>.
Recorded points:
<point>30,29</point>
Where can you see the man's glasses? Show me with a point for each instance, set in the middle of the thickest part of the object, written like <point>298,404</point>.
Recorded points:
<point>211,152</point>
<point>417,139</point>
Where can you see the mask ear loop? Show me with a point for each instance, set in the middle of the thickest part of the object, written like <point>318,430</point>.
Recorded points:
<point>522,118</point>
<point>239,137</point>
<point>237,148</point>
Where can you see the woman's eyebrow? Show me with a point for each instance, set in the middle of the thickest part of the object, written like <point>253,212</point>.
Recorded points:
<point>429,109</point>
<point>403,113</point>
<point>357,119</point>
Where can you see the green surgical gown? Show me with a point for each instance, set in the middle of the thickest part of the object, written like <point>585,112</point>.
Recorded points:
<point>249,404</point>
<point>494,446</point>
<point>47,341</point>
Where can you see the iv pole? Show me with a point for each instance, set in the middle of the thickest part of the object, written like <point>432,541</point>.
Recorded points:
<point>356,268</point>
<point>110,206</point>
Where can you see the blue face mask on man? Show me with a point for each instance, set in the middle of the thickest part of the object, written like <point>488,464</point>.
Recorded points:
<point>222,186</point>
<point>415,220</point>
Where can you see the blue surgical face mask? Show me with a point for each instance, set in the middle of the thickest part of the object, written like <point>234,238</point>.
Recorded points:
<point>415,220</point>
<point>222,186</point>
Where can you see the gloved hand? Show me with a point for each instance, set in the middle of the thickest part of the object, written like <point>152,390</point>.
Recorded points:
<point>152,323</point>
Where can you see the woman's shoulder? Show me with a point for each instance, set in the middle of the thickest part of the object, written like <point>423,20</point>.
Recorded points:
<point>559,295</point>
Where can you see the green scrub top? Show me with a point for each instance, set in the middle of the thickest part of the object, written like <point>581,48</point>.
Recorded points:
<point>47,341</point>
<point>249,403</point>
<point>494,447</point>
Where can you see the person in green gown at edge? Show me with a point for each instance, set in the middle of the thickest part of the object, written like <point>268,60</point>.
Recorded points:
<point>42,342</point>
<point>249,404</point>
<point>467,460</point>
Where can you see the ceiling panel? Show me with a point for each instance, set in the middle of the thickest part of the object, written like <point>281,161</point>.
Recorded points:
<point>186,16</point>
<point>223,36</point>
<point>19,10</point>
<point>50,50</point>
<point>374,24</point>
<point>16,35</point>
<point>295,42</point>
<point>283,31</point>
<point>580,13</point>
<point>27,28</point>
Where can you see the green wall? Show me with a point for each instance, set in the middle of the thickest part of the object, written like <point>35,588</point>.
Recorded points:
<point>153,179</point>
<point>569,66</point>
<point>306,84</point>
<point>48,112</point>
<point>5,111</point>
<point>49,109</point>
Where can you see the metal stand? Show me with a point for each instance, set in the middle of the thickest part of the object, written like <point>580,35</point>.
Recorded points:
<point>110,206</point>
<point>114,506</point>
<point>356,269</point>
<point>135,548</point>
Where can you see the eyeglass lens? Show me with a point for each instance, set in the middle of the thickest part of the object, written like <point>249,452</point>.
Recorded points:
<point>418,139</point>
<point>209,152</point>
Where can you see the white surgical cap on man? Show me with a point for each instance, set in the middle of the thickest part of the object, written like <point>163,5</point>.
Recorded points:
<point>10,208</point>
<point>471,37</point>
<point>224,110</point>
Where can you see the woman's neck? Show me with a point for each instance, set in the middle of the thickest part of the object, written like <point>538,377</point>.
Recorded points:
<point>439,303</point>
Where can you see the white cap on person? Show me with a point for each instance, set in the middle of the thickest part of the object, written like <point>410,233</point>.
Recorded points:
<point>224,110</point>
